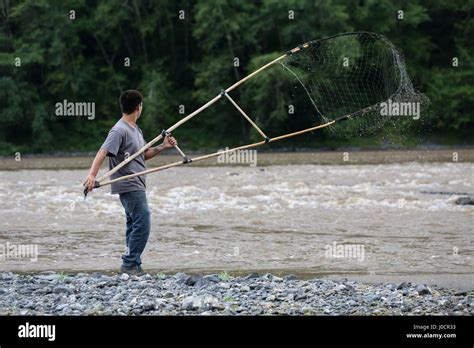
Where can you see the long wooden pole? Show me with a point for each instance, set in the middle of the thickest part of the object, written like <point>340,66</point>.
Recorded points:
<point>238,83</point>
<point>187,118</point>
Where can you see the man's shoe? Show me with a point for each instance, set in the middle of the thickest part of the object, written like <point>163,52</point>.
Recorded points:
<point>132,271</point>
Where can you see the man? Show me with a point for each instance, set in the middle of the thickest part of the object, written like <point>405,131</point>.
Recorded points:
<point>124,139</point>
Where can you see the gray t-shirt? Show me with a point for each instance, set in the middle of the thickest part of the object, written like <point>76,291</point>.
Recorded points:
<point>124,140</point>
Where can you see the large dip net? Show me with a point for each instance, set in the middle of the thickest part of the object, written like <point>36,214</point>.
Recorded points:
<point>348,84</point>
<point>360,75</point>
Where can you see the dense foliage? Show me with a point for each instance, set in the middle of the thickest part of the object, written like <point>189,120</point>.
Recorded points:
<point>182,53</point>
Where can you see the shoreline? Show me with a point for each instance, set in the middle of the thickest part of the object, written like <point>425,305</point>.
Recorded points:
<point>337,157</point>
<point>458,281</point>
<point>221,294</point>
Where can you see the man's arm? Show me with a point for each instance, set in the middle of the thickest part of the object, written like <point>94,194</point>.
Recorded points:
<point>153,151</point>
<point>168,143</point>
<point>99,158</point>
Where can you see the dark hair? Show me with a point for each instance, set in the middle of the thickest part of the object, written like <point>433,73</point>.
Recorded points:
<point>129,100</point>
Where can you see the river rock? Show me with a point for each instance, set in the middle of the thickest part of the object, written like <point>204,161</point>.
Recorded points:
<point>252,276</point>
<point>290,277</point>
<point>49,277</point>
<point>61,306</point>
<point>61,289</point>
<point>183,278</point>
<point>205,302</point>
<point>373,298</point>
<point>207,280</point>
<point>245,288</point>
<point>422,289</point>
<point>464,201</point>
<point>404,285</point>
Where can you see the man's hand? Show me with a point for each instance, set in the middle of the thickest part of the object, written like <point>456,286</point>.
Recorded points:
<point>169,142</point>
<point>89,183</point>
<point>99,158</point>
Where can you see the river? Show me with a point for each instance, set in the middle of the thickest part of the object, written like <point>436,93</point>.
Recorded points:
<point>400,219</point>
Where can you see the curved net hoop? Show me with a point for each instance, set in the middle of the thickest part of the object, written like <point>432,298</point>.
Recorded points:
<point>352,74</point>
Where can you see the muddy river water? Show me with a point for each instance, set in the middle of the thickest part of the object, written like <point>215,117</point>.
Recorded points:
<point>395,219</point>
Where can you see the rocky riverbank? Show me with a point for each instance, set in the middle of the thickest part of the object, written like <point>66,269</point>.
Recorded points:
<point>220,294</point>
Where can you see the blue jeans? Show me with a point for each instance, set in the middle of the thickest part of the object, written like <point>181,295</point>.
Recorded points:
<point>138,226</point>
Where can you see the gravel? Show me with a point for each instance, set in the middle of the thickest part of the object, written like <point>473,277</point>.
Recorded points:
<point>184,294</point>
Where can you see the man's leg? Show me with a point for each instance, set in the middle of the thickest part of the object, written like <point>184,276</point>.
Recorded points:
<point>136,207</point>
<point>128,233</point>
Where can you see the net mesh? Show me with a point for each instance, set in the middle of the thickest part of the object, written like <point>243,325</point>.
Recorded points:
<point>358,74</point>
